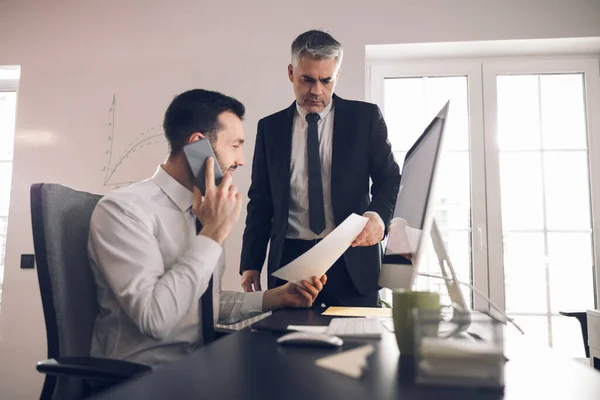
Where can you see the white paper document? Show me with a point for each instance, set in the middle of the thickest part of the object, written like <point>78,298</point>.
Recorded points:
<point>350,362</point>
<point>320,258</point>
<point>307,328</point>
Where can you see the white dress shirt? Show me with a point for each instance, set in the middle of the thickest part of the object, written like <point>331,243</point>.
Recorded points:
<point>298,219</point>
<point>151,270</point>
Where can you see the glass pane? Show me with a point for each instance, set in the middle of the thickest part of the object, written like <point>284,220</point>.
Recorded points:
<point>547,191</point>
<point>459,250</point>
<point>454,191</point>
<point>399,155</point>
<point>410,104</point>
<point>571,271</point>
<point>404,110</point>
<point>567,337</point>
<point>521,190</point>
<point>8,103</point>
<point>567,190</point>
<point>454,88</point>
<point>3,228</point>
<point>518,112</point>
<point>563,111</point>
<point>5,177</point>
<point>525,272</point>
<point>10,72</point>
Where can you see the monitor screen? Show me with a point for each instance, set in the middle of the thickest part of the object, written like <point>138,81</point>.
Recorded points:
<point>414,205</point>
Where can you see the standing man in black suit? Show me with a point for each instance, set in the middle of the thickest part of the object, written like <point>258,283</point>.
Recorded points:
<point>311,169</point>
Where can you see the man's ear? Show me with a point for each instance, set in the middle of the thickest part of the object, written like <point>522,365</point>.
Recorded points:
<point>291,73</point>
<point>195,137</point>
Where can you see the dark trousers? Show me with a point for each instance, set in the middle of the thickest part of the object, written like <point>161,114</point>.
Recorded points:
<point>339,290</point>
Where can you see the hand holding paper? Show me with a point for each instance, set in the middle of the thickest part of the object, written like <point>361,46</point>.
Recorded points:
<point>320,258</point>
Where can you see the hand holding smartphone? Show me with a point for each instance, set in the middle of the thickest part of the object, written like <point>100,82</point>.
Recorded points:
<point>196,154</point>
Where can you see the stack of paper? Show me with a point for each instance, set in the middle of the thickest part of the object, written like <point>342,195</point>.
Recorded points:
<point>460,361</point>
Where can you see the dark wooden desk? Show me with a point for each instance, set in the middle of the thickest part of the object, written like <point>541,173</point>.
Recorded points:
<point>251,365</point>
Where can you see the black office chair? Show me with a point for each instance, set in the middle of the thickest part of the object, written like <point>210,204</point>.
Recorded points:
<point>60,219</point>
<point>582,318</point>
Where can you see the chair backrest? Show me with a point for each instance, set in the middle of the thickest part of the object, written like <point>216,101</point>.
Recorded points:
<point>60,218</point>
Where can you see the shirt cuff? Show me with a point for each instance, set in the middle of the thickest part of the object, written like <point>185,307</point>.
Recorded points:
<point>253,302</point>
<point>373,213</point>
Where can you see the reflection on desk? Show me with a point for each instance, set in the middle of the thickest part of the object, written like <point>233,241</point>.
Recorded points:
<point>250,365</point>
<point>242,324</point>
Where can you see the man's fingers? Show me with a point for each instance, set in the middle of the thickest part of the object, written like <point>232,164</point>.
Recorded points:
<point>233,190</point>
<point>359,239</point>
<point>309,299</point>
<point>246,286</point>
<point>317,283</point>
<point>226,183</point>
<point>209,175</point>
<point>310,288</point>
<point>324,279</point>
<point>197,196</point>
<point>256,280</point>
<point>363,235</point>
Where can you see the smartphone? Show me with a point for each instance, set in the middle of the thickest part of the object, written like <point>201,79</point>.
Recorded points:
<point>196,154</point>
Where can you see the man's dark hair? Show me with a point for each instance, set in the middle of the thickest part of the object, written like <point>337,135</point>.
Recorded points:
<point>197,110</point>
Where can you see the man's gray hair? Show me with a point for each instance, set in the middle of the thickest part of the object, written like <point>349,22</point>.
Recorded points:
<point>316,44</point>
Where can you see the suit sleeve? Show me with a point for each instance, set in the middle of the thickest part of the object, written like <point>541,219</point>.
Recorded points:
<point>383,169</point>
<point>260,209</point>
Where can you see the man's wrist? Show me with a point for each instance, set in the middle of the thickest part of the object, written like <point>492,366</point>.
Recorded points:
<point>213,234</point>
<point>272,299</point>
<point>377,217</point>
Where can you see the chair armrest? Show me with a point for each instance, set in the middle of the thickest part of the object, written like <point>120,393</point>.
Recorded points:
<point>582,318</point>
<point>576,314</point>
<point>92,368</point>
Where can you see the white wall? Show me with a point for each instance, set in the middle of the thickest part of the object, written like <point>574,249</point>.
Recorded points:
<point>72,51</point>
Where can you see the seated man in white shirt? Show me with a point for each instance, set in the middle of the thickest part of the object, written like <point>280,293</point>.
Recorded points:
<point>156,276</point>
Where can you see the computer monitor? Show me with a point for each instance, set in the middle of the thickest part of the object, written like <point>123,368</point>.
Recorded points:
<point>413,217</point>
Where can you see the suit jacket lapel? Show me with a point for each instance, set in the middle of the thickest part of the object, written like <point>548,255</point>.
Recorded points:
<point>340,128</point>
<point>284,165</point>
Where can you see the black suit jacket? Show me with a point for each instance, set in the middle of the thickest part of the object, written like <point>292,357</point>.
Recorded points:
<point>361,150</point>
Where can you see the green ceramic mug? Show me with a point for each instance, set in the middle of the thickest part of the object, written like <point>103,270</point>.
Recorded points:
<point>404,303</point>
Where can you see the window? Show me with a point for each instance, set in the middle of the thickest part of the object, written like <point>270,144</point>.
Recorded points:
<point>412,103</point>
<point>410,99</point>
<point>516,187</point>
<point>8,101</point>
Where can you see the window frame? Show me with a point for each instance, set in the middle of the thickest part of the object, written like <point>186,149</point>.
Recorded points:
<point>487,249</point>
<point>379,71</point>
<point>7,85</point>
<point>590,68</point>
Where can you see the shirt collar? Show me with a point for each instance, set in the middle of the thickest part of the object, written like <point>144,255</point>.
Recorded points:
<point>178,193</point>
<point>302,112</point>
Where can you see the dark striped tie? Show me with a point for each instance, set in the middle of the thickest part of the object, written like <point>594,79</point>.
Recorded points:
<point>208,328</point>
<point>316,208</point>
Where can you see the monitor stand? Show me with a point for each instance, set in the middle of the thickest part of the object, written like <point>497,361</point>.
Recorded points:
<point>461,316</point>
